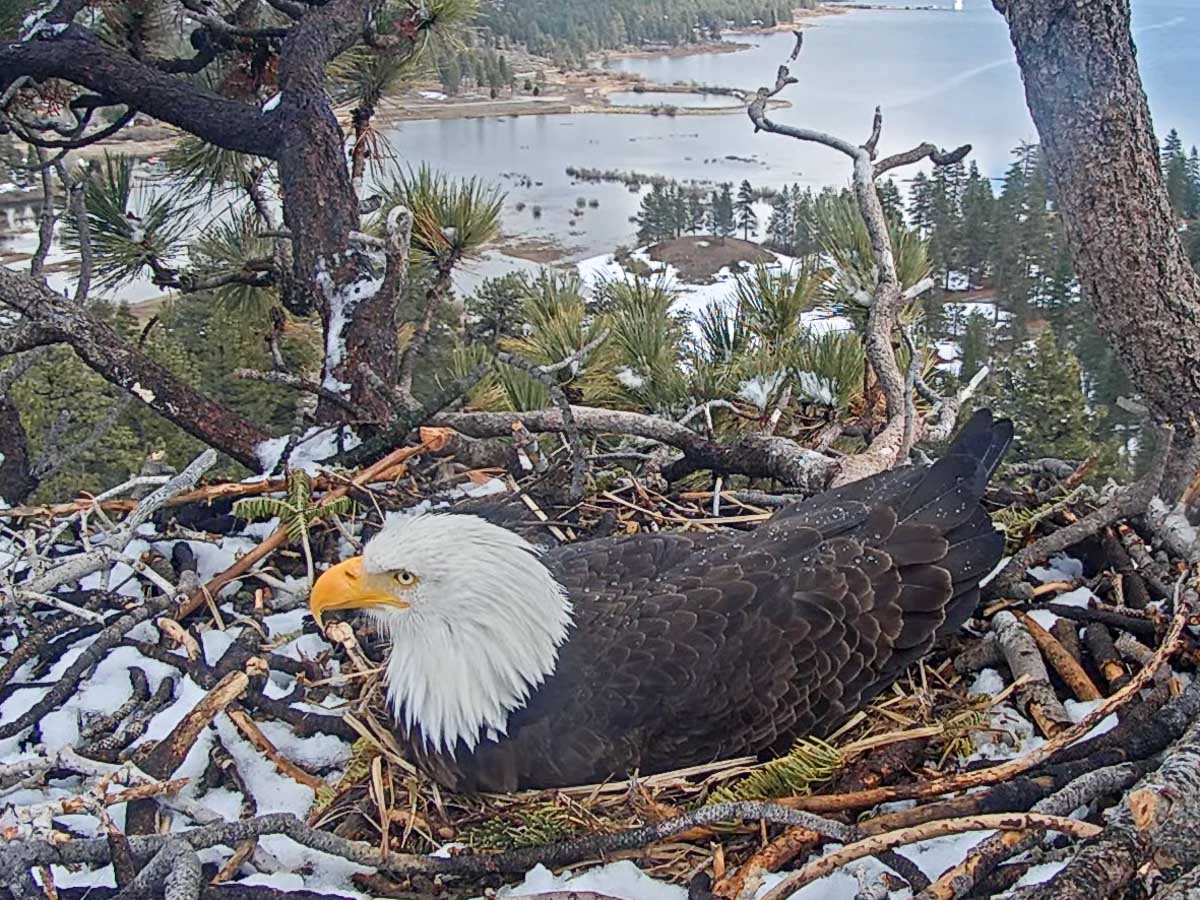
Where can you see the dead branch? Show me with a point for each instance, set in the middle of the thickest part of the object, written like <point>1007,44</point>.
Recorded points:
<point>69,681</point>
<point>1128,502</point>
<point>960,880</point>
<point>280,535</point>
<point>1036,695</point>
<point>1159,819</point>
<point>877,843</point>
<point>1067,666</point>
<point>254,735</point>
<point>888,296</point>
<point>1104,653</point>
<point>757,455</point>
<point>544,374</point>
<point>1172,643</point>
<point>288,379</point>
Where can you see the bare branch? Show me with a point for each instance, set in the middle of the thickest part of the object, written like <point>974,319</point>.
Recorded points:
<point>757,455</point>
<point>287,379</point>
<point>1132,500</point>
<point>872,144</point>
<point>920,152</point>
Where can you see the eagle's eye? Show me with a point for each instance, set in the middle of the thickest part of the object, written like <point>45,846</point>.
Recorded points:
<point>405,578</point>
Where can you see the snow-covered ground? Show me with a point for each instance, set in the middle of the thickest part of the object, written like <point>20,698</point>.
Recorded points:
<point>693,298</point>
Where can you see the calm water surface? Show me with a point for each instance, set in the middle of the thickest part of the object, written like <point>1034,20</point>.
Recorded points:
<point>943,76</point>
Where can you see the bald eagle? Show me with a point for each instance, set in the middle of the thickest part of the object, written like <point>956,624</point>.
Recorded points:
<point>515,668</point>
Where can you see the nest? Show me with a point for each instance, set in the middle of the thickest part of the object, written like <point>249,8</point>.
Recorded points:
<point>1118,643</point>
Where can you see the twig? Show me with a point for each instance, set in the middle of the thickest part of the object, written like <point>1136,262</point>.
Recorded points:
<point>961,879</point>
<point>1172,643</point>
<point>1130,501</point>
<point>877,843</point>
<point>288,379</point>
<point>545,375</point>
<point>280,535</point>
<point>69,681</point>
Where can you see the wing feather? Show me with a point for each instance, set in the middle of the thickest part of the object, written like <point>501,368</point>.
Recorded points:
<point>688,648</point>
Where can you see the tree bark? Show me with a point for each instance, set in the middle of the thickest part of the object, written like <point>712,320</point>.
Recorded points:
<point>1084,91</point>
<point>78,56</point>
<point>357,308</point>
<point>122,364</point>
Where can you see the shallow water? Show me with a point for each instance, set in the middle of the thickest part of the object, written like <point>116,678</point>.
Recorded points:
<point>680,99</point>
<point>942,76</point>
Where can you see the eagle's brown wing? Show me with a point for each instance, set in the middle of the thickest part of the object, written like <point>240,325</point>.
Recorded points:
<point>689,648</point>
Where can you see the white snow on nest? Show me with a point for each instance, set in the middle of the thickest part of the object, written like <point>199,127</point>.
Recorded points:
<point>621,879</point>
<point>1007,734</point>
<point>1060,568</point>
<point>317,444</point>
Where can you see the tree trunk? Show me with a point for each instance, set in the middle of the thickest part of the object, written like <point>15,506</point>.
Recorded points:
<point>122,364</point>
<point>1082,84</point>
<point>321,210</point>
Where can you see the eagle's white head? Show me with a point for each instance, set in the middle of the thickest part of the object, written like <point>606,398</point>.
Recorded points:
<point>474,616</point>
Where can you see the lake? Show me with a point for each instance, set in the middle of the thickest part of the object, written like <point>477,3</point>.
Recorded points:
<point>943,76</point>
<point>940,75</point>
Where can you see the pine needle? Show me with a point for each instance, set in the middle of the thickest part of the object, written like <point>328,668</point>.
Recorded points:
<point>810,761</point>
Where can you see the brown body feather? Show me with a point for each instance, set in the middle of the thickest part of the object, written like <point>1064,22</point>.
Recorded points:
<point>689,648</point>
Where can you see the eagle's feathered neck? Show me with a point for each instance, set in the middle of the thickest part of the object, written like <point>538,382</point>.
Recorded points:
<point>482,632</point>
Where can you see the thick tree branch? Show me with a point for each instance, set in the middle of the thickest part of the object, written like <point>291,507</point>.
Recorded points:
<point>78,56</point>
<point>121,364</point>
<point>756,455</point>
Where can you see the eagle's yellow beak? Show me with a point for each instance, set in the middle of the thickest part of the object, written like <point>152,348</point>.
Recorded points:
<point>345,586</point>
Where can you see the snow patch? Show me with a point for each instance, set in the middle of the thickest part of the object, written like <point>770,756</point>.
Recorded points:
<point>621,879</point>
<point>758,391</point>
<point>316,445</point>
<point>1060,568</point>
<point>816,388</point>
<point>629,378</point>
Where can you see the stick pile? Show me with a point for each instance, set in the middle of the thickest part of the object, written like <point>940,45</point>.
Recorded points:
<point>167,709</point>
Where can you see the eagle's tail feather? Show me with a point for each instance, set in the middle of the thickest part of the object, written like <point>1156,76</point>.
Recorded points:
<point>948,499</point>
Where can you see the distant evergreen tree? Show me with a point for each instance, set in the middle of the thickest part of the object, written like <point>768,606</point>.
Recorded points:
<point>745,217</point>
<point>695,212</point>
<point>1041,386</point>
<point>493,310</point>
<point>1021,233</point>
<point>721,221</point>
<point>1180,187</point>
<point>450,76</point>
<point>654,215</point>
<point>890,199</point>
<point>920,204</point>
<point>977,233</point>
<point>804,214</point>
<point>1193,175</point>
<point>976,345</point>
<point>781,227</point>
